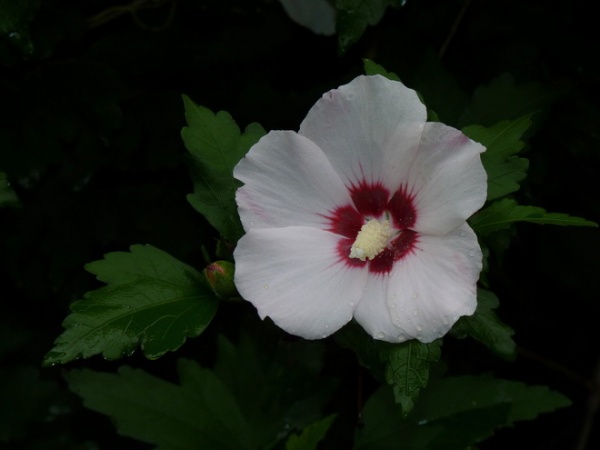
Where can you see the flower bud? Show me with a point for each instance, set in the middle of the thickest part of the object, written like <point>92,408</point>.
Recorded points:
<point>219,275</point>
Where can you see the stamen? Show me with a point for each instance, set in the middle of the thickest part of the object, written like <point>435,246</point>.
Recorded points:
<point>371,240</point>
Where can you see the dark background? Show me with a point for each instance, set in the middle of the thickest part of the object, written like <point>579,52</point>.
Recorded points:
<point>90,120</point>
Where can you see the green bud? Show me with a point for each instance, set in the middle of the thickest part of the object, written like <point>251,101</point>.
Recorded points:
<point>219,275</point>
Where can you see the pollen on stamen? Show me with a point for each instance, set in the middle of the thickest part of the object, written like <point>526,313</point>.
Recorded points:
<point>371,240</point>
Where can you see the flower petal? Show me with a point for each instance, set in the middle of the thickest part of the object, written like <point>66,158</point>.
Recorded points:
<point>294,275</point>
<point>436,284</point>
<point>373,312</point>
<point>288,181</point>
<point>447,179</point>
<point>369,129</point>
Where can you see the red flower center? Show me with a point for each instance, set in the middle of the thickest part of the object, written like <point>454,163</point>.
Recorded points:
<point>374,201</point>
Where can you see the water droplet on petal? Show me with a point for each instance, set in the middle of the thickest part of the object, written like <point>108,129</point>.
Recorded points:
<point>326,325</point>
<point>380,335</point>
<point>350,96</point>
<point>471,253</point>
<point>419,328</point>
<point>265,286</point>
<point>350,304</point>
<point>400,337</point>
<point>415,312</point>
<point>415,295</point>
<point>324,335</point>
<point>462,234</point>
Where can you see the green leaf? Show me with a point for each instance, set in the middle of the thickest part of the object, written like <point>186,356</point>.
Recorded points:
<point>7,195</point>
<point>216,145</point>
<point>279,386</point>
<point>200,412</point>
<point>407,369</point>
<point>448,397</point>
<point>385,427</point>
<point>503,213</point>
<point>353,16</point>
<point>502,141</point>
<point>151,299</point>
<point>452,413</point>
<point>372,68</point>
<point>503,99</point>
<point>485,326</point>
<point>311,435</point>
<point>440,90</point>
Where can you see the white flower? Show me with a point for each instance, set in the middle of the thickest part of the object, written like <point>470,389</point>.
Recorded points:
<point>362,214</point>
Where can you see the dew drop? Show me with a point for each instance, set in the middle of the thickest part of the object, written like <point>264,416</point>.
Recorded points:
<point>394,295</point>
<point>419,328</point>
<point>462,234</point>
<point>400,337</point>
<point>471,253</point>
<point>391,305</point>
<point>380,335</point>
<point>415,295</point>
<point>324,335</point>
<point>350,96</point>
<point>350,304</point>
<point>415,312</point>
<point>326,326</point>
<point>445,321</point>
<point>265,286</point>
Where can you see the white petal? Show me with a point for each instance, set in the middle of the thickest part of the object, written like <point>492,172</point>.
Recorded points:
<point>294,275</point>
<point>447,179</point>
<point>373,311</point>
<point>364,126</point>
<point>431,288</point>
<point>288,181</point>
<point>316,15</point>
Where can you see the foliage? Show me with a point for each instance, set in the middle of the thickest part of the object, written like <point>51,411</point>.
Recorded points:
<point>98,152</point>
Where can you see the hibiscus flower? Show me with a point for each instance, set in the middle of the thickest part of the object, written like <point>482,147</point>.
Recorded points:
<point>361,214</point>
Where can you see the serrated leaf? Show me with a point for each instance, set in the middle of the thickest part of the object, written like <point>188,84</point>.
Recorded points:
<point>504,99</point>
<point>385,427</point>
<point>151,300</point>
<point>503,213</point>
<point>200,412</point>
<point>372,68</point>
<point>353,16</point>
<point>502,142</point>
<point>310,436</point>
<point>485,326</point>
<point>439,88</point>
<point>450,396</point>
<point>407,369</point>
<point>276,393</point>
<point>216,145</point>
<point>452,413</point>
